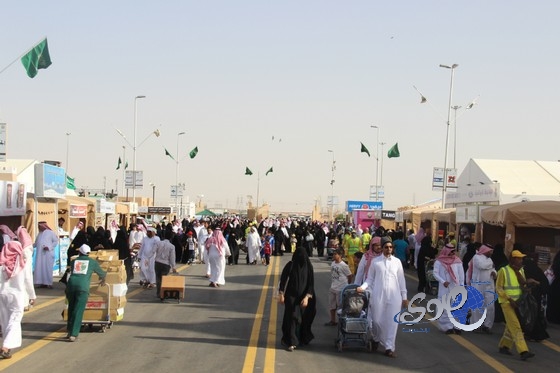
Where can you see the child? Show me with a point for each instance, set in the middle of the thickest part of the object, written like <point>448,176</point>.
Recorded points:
<point>267,249</point>
<point>340,277</point>
<point>191,244</point>
<point>293,242</point>
<point>357,257</point>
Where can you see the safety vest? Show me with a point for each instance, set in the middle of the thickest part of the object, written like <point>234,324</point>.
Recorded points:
<point>511,284</point>
<point>353,245</point>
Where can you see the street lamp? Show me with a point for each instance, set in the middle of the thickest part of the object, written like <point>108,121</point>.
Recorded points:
<point>67,150</point>
<point>153,193</point>
<point>177,170</point>
<point>456,107</point>
<point>444,189</point>
<point>376,164</point>
<point>333,167</point>
<point>134,149</point>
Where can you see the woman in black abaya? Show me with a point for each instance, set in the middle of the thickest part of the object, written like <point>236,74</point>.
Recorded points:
<point>296,292</point>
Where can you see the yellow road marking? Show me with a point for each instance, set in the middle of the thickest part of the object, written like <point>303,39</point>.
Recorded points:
<point>270,356</point>
<point>61,333</point>
<point>551,345</point>
<point>250,356</point>
<point>471,347</point>
<point>24,352</point>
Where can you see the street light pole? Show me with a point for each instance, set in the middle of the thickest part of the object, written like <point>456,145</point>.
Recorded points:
<point>177,171</point>
<point>456,107</point>
<point>134,149</point>
<point>444,189</point>
<point>153,193</point>
<point>382,156</point>
<point>376,164</point>
<point>67,150</point>
<point>332,185</point>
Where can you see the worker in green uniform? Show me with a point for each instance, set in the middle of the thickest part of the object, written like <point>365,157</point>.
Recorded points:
<point>77,289</point>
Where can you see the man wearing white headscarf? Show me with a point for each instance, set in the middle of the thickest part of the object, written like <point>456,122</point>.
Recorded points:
<point>217,249</point>
<point>12,286</point>
<point>481,274</point>
<point>253,244</point>
<point>449,272</point>
<point>388,294</point>
<point>147,255</point>
<point>45,243</point>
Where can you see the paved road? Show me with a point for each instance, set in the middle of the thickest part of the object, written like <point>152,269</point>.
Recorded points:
<point>236,328</point>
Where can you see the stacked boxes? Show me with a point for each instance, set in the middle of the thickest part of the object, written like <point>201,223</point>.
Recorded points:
<point>106,303</point>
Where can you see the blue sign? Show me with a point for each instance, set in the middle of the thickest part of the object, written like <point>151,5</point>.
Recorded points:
<point>363,205</point>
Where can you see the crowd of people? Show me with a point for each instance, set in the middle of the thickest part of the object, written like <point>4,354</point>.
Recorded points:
<point>373,259</point>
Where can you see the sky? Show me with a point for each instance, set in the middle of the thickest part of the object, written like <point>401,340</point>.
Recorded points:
<point>313,75</point>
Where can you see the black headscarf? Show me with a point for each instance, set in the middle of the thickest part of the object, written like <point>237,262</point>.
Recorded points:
<point>121,244</point>
<point>76,243</point>
<point>301,280</point>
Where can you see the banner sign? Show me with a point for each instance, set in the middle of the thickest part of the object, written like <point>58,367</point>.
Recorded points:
<point>50,181</point>
<point>78,211</point>
<point>363,205</point>
<point>12,198</point>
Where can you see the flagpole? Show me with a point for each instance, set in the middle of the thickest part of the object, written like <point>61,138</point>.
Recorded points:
<point>258,187</point>
<point>124,169</point>
<point>177,173</point>
<point>23,54</point>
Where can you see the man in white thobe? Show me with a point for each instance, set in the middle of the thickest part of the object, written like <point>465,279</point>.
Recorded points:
<point>253,246</point>
<point>449,272</point>
<point>386,282</point>
<point>481,275</point>
<point>12,290</point>
<point>45,244</point>
<point>147,255</point>
<point>202,236</point>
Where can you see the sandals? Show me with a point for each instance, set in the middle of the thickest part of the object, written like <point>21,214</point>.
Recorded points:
<point>5,355</point>
<point>390,353</point>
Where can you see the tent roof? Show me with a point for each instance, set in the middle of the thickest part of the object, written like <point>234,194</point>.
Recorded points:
<point>524,214</point>
<point>518,179</point>
<point>206,213</point>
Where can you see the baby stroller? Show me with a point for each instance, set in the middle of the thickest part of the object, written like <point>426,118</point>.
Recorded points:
<point>353,325</point>
<point>432,284</point>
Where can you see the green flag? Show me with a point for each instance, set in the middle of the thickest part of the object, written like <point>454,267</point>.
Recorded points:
<point>169,154</point>
<point>269,171</point>
<point>193,152</point>
<point>364,150</point>
<point>70,183</point>
<point>37,58</point>
<point>119,163</point>
<point>126,165</point>
<point>394,151</point>
<point>247,171</point>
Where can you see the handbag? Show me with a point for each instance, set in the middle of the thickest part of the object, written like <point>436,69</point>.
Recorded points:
<point>527,311</point>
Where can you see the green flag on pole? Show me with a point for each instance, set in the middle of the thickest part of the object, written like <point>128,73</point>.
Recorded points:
<point>169,154</point>
<point>394,151</point>
<point>247,171</point>
<point>269,171</point>
<point>364,150</point>
<point>193,152</point>
<point>119,163</point>
<point>126,165</point>
<point>37,58</point>
<point>70,183</point>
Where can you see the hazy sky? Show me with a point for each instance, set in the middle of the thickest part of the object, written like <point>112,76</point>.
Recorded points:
<point>315,74</point>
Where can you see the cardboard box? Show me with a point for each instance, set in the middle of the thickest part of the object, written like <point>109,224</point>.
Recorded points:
<point>106,255</point>
<point>98,315</point>
<point>117,290</point>
<point>172,283</point>
<point>118,277</point>
<point>103,303</point>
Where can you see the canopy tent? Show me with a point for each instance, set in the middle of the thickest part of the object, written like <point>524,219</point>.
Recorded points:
<point>205,213</point>
<point>524,214</point>
<point>446,216</point>
<point>535,223</point>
